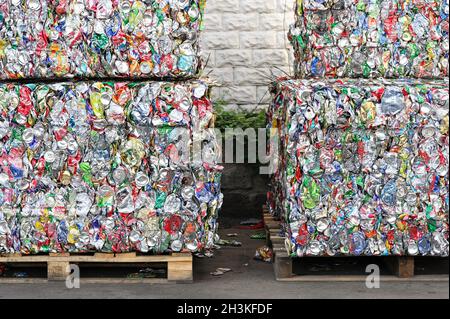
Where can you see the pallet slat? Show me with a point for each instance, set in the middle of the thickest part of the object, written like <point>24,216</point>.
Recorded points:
<point>58,271</point>
<point>180,270</point>
<point>402,267</point>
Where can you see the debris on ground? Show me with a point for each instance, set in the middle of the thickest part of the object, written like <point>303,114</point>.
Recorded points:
<point>232,243</point>
<point>147,273</point>
<point>252,223</point>
<point>233,235</point>
<point>221,271</point>
<point>206,254</point>
<point>264,254</point>
<point>258,235</point>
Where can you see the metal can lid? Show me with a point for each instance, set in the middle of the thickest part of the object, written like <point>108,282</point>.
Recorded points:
<point>49,156</point>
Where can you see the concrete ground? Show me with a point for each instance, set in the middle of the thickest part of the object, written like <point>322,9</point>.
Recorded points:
<point>249,279</point>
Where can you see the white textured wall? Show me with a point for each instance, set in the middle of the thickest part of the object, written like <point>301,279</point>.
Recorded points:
<point>246,41</point>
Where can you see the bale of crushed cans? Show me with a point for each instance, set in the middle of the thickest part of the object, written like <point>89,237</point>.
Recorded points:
<point>107,166</point>
<point>371,38</point>
<point>363,166</point>
<point>100,38</point>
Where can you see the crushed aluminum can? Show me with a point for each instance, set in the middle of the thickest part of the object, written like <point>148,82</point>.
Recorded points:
<point>264,254</point>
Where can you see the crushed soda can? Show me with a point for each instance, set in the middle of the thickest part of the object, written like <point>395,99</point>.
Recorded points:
<point>363,166</point>
<point>100,38</point>
<point>371,39</point>
<point>107,166</point>
<point>264,254</point>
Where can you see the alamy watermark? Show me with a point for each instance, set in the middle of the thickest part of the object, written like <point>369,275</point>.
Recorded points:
<point>73,279</point>
<point>373,279</point>
<point>233,145</point>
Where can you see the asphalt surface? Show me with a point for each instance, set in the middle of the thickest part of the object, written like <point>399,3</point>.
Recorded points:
<point>249,278</point>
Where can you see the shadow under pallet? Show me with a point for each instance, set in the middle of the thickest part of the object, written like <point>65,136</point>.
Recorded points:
<point>348,269</point>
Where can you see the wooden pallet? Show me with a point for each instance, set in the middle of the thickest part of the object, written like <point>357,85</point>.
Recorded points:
<point>402,267</point>
<point>179,265</point>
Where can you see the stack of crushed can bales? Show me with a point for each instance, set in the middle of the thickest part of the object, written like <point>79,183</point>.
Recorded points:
<point>363,144</point>
<point>101,109</point>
